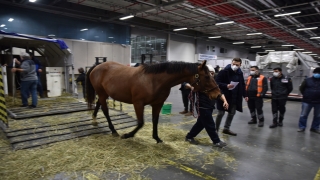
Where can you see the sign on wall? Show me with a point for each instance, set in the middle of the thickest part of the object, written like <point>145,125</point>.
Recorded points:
<point>207,57</point>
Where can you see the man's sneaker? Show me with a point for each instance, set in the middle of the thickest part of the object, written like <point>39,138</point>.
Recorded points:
<point>192,141</point>
<point>32,106</point>
<point>315,130</point>
<point>300,130</point>
<point>252,121</point>
<point>261,123</point>
<point>220,144</point>
<point>188,114</point>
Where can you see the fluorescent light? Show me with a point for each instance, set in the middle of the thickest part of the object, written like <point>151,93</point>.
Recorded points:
<point>287,45</point>
<point>287,14</point>
<point>255,46</point>
<point>238,43</point>
<point>127,17</point>
<point>298,49</point>
<point>270,50</point>
<point>111,37</point>
<point>82,39</point>
<point>10,19</point>
<point>84,29</point>
<point>222,23</point>
<point>315,37</point>
<point>206,12</point>
<point>2,25</point>
<point>312,54</point>
<point>51,35</point>
<point>188,5</point>
<point>303,29</point>
<point>213,37</point>
<point>32,0</point>
<point>307,52</point>
<point>179,29</point>
<point>250,34</point>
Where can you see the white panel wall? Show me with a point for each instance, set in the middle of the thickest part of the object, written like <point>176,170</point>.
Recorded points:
<point>84,52</point>
<point>80,54</point>
<point>181,51</point>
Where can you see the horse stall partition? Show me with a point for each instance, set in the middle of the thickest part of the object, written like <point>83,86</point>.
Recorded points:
<point>295,65</point>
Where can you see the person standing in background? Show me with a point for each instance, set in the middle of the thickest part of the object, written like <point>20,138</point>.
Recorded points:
<point>281,87</point>
<point>256,88</point>
<point>310,89</point>
<point>29,80</point>
<point>38,70</point>
<point>82,78</point>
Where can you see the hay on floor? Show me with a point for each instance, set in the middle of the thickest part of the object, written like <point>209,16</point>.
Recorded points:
<point>104,153</point>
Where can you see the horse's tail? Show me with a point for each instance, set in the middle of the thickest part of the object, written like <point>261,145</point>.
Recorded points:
<point>89,89</point>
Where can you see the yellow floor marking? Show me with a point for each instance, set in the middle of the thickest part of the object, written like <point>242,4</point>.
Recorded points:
<point>190,170</point>
<point>317,177</point>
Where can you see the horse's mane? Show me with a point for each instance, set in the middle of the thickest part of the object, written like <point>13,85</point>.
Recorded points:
<point>171,67</point>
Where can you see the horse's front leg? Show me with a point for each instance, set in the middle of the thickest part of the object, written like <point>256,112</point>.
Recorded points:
<point>155,119</point>
<point>139,108</point>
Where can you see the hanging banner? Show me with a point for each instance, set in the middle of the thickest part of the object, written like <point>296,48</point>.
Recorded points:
<point>207,57</point>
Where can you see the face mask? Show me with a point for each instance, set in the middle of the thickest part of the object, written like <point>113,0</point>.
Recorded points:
<point>275,74</point>
<point>234,67</point>
<point>316,76</point>
<point>252,72</point>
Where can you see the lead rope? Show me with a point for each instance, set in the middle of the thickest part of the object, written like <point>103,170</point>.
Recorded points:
<point>192,102</point>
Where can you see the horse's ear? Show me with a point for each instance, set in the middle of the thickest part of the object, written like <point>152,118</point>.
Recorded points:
<point>203,64</point>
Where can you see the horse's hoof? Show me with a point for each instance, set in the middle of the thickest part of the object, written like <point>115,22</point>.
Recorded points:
<point>159,141</point>
<point>126,136</point>
<point>115,134</point>
<point>95,123</point>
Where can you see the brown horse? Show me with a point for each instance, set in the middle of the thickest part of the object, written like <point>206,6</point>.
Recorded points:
<point>144,85</point>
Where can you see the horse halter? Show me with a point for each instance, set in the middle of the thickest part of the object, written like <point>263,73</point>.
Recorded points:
<point>197,80</point>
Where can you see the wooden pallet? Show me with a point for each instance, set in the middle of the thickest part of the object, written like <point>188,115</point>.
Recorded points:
<point>43,134</point>
<point>53,109</point>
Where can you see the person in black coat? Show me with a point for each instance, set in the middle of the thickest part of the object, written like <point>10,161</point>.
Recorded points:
<point>281,87</point>
<point>82,78</point>
<point>233,93</point>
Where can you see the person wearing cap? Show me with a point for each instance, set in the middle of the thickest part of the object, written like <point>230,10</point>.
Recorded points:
<point>82,78</point>
<point>205,119</point>
<point>310,89</point>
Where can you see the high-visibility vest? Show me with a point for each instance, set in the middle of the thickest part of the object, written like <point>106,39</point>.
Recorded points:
<point>259,85</point>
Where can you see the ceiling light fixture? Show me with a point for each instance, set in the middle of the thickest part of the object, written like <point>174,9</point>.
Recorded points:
<point>50,35</point>
<point>238,43</point>
<point>298,49</point>
<point>307,52</point>
<point>32,0</point>
<point>84,29</point>
<point>214,37</point>
<point>315,37</point>
<point>127,17</point>
<point>2,25</point>
<point>250,34</point>
<point>179,29</point>
<point>303,29</point>
<point>188,5</point>
<point>222,23</point>
<point>270,50</point>
<point>255,46</point>
<point>111,37</point>
<point>312,54</point>
<point>287,45</point>
<point>10,19</point>
<point>287,14</point>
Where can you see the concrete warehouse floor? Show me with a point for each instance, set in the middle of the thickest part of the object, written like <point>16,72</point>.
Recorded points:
<point>260,153</point>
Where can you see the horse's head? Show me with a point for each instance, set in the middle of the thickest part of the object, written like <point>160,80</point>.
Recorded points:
<point>204,82</point>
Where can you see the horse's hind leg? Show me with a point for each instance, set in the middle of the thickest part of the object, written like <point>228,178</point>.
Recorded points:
<point>139,112</point>
<point>94,115</point>
<point>105,109</point>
